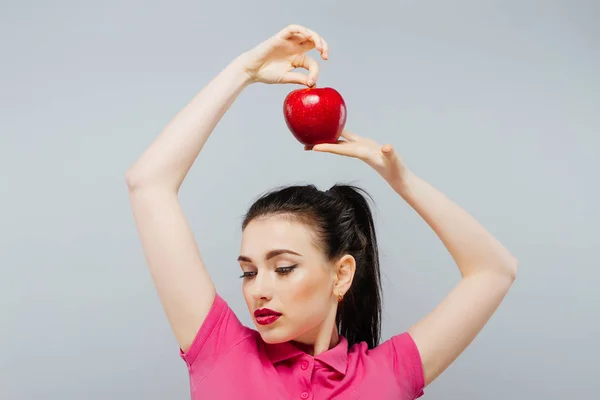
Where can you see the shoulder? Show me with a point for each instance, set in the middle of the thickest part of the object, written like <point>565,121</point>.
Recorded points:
<point>219,333</point>
<point>401,344</point>
<point>400,355</point>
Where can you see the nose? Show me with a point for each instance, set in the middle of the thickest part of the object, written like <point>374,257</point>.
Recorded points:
<point>261,287</point>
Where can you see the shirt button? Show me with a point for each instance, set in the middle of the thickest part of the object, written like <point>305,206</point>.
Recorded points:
<point>304,366</point>
<point>304,395</point>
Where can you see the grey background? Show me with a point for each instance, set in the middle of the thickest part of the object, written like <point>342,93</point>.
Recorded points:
<point>494,103</point>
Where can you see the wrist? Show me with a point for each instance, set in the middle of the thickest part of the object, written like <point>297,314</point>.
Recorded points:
<point>404,182</point>
<point>238,72</point>
<point>240,66</point>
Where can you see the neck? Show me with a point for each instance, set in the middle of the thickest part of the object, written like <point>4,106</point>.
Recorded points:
<point>322,338</point>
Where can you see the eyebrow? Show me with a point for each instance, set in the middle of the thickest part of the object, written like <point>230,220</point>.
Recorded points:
<point>270,254</point>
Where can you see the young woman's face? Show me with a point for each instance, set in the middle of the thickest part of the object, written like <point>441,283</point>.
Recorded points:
<point>286,273</point>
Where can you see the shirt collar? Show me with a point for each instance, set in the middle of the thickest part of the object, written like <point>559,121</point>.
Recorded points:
<point>336,357</point>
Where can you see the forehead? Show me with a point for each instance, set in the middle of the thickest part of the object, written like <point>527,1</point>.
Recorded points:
<point>276,232</point>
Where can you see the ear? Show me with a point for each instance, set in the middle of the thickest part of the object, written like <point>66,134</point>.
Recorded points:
<point>345,268</point>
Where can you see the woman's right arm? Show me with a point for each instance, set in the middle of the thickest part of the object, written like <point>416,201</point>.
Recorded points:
<point>184,286</point>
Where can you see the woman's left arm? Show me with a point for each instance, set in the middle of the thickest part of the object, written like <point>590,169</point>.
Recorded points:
<point>487,268</point>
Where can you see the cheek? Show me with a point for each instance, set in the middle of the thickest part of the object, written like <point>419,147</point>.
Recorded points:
<point>246,294</point>
<point>308,286</point>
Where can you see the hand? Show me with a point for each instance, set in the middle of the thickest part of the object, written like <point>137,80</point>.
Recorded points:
<point>273,60</point>
<point>382,159</point>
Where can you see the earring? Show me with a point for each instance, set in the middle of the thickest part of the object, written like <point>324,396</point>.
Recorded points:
<point>340,297</point>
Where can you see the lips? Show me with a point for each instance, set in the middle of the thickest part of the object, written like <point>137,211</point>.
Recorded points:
<point>265,312</point>
<point>265,316</point>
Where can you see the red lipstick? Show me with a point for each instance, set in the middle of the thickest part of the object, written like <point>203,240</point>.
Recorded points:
<point>265,316</point>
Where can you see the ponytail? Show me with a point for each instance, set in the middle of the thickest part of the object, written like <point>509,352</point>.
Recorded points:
<point>359,313</point>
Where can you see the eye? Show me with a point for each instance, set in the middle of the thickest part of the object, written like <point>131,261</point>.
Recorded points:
<point>285,270</point>
<point>248,275</point>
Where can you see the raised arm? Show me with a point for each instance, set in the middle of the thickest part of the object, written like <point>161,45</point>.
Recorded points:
<point>487,268</point>
<point>184,286</point>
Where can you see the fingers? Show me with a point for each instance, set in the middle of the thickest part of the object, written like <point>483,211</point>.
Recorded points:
<point>389,152</point>
<point>350,136</point>
<point>323,48</point>
<point>295,77</point>
<point>341,148</point>
<point>310,146</point>
<point>320,43</point>
<point>309,63</point>
<point>292,31</point>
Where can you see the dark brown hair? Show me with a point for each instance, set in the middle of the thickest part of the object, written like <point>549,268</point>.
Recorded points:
<point>343,223</point>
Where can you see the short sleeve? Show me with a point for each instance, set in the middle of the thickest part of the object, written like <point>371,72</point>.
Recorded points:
<point>219,333</point>
<point>408,366</point>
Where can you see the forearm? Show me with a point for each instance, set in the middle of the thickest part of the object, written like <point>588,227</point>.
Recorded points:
<point>471,246</point>
<point>168,159</point>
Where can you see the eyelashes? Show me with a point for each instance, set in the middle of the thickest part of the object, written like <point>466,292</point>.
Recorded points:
<point>248,275</point>
<point>285,270</point>
<point>280,271</point>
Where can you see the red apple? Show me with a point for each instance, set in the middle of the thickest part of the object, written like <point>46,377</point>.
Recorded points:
<point>315,115</point>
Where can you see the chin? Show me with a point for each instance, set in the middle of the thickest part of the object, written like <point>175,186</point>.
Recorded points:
<point>273,339</point>
<point>272,335</point>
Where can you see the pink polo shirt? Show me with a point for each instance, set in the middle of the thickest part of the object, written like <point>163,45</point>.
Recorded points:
<point>230,361</point>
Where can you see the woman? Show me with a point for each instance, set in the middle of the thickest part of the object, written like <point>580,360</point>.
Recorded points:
<point>309,261</point>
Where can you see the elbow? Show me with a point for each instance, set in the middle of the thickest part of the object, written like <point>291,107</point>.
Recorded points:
<point>137,180</point>
<point>133,179</point>
<point>514,268</point>
<point>502,271</point>
<point>510,268</point>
